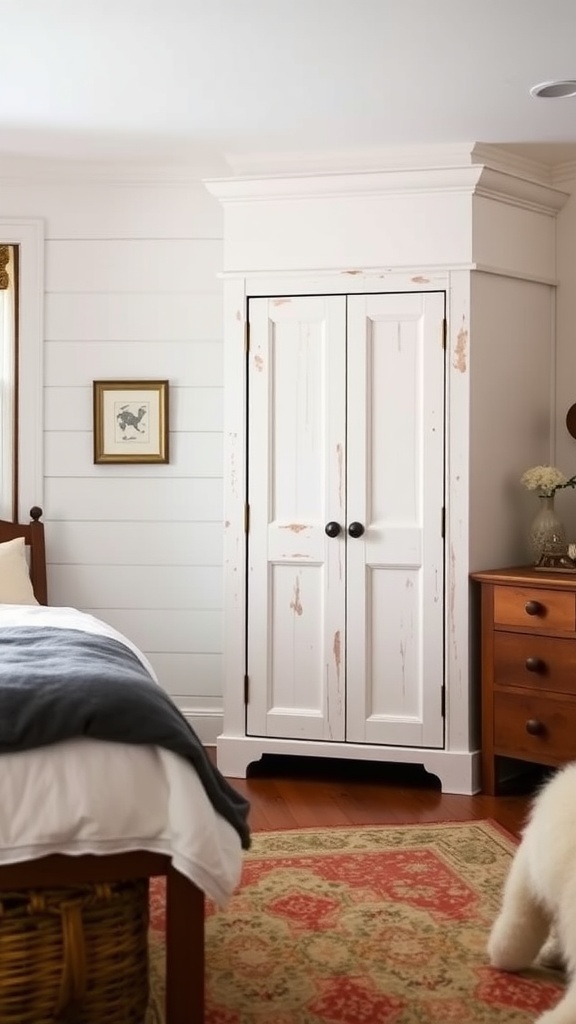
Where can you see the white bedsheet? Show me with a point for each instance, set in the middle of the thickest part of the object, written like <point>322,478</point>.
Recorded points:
<point>89,796</point>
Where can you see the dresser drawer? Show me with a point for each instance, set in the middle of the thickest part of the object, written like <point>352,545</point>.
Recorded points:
<point>535,661</point>
<point>534,728</point>
<point>532,608</point>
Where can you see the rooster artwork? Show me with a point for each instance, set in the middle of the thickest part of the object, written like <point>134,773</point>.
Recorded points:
<point>132,422</point>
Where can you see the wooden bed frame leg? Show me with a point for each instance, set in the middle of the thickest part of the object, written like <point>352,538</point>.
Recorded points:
<point>184,950</point>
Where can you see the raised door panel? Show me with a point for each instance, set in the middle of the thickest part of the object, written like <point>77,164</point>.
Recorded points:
<point>395,460</point>
<point>296,484</point>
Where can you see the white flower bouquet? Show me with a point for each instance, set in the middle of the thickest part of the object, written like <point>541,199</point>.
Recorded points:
<point>546,480</point>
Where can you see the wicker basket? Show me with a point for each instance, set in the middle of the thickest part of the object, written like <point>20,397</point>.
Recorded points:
<point>78,955</point>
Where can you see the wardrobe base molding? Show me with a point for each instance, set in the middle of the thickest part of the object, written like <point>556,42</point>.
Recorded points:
<point>458,771</point>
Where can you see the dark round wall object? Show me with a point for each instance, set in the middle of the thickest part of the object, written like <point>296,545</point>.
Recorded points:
<point>571,420</point>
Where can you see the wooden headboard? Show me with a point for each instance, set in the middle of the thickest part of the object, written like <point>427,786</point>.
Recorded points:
<point>33,533</point>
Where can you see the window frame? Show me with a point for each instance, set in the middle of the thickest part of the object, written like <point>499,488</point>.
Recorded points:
<point>28,235</point>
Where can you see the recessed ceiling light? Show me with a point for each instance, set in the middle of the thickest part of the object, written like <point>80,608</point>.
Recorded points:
<point>551,90</point>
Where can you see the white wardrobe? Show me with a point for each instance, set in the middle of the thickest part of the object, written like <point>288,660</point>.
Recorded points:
<point>362,394</point>
<point>345,489</point>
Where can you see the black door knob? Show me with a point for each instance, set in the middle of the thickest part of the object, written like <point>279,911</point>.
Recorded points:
<point>355,529</point>
<point>332,529</point>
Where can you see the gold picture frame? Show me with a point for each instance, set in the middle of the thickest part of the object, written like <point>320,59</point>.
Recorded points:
<point>130,421</point>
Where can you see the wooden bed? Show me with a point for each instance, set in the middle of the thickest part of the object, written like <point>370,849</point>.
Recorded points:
<point>184,900</point>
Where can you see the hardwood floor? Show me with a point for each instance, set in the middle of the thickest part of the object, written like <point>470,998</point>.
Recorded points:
<point>294,792</point>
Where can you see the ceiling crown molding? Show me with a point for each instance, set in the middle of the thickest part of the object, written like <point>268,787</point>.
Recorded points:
<point>423,157</point>
<point>565,172</point>
<point>499,158</point>
<point>473,179</point>
<point>283,164</point>
<point>517,191</point>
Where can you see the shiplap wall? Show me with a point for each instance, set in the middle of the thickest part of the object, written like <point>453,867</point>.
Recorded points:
<point>131,291</point>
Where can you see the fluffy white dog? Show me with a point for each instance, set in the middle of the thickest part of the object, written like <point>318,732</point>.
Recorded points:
<point>538,913</point>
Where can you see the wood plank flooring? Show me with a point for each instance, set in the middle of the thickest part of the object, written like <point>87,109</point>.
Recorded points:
<point>294,792</point>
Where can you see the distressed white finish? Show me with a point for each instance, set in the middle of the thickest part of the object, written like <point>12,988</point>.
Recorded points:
<point>440,231</point>
<point>395,571</point>
<point>296,483</point>
<point>346,398</point>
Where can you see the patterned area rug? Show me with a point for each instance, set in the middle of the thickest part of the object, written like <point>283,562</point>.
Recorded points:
<point>373,925</point>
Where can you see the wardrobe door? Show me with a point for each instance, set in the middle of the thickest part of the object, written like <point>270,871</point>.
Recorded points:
<point>296,487</point>
<point>394,569</point>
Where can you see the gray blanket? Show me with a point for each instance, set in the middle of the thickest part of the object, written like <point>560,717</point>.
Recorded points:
<point>57,684</point>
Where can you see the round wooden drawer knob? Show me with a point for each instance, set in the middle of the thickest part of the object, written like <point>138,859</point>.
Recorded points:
<point>535,664</point>
<point>534,727</point>
<point>533,608</point>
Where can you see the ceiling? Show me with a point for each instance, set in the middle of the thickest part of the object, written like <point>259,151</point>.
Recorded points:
<point>209,84</point>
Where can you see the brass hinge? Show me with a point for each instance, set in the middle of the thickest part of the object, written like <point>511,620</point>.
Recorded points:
<point>246,518</point>
<point>246,336</point>
<point>443,522</point>
<point>444,332</point>
<point>246,688</point>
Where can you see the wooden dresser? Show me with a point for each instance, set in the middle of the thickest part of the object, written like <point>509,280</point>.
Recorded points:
<point>528,652</point>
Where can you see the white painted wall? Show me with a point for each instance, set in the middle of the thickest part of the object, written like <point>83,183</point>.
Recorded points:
<point>512,376</point>
<point>563,451</point>
<point>131,290</point>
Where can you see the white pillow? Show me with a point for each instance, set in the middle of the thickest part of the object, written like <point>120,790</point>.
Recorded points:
<point>15,585</point>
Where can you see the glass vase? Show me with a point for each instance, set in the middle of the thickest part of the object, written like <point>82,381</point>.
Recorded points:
<point>547,534</point>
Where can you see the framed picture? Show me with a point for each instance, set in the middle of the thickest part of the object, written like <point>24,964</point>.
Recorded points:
<point>130,421</point>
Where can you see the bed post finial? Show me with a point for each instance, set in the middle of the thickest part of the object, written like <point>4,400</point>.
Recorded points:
<point>35,513</point>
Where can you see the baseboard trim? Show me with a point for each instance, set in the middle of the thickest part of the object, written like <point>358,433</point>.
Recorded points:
<point>206,724</point>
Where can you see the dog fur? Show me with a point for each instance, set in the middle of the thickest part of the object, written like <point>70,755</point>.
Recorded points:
<point>537,918</point>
